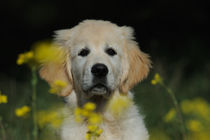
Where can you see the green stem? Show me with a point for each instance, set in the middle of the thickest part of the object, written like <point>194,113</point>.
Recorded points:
<point>178,110</point>
<point>34,83</point>
<point>2,129</point>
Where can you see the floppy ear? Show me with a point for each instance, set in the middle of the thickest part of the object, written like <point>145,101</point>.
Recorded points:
<point>138,63</point>
<point>61,70</point>
<point>54,71</point>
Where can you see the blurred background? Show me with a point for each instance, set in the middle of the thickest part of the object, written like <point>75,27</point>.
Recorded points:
<point>174,33</point>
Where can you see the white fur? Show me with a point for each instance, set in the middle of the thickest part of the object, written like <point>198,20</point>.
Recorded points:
<point>129,126</point>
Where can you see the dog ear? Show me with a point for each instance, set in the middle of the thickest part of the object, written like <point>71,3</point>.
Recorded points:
<point>53,71</point>
<point>138,63</point>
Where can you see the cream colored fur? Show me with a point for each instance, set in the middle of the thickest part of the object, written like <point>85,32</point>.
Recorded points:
<point>126,69</point>
<point>129,126</point>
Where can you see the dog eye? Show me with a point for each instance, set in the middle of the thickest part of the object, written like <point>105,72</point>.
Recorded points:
<point>111,52</point>
<point>84,52</point>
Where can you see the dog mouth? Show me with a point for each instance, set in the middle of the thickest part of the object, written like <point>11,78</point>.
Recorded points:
<point>99,90</point>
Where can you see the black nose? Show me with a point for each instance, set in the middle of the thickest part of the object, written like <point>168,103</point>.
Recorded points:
<point>99,70</point>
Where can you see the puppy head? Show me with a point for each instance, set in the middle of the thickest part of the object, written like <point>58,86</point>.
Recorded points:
<point>101,58</point>
<point>96,54</point>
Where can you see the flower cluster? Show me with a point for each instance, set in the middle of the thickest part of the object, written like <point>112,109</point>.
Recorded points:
<point>118,105</point>
<point>170,115</point>
<point>25,57</point>
<point>45,52</point>
<point>93,119</point>
<point>197,112</point>
<point>49,118</point>
<point>3,98</point>
<point>42,52</point>
<point>22,111</point>
<point>57,86</point>
<point>197,107</point>
<point>157,79</point>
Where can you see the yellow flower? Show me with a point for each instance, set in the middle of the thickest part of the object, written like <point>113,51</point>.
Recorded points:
<point>201,107</point>
<point>92,128</point>
<point>88,136</point>
<point>23,111</point>
<point>89,106</point>
<point>99,131</point>
<point>57,86</point>
<point>194,125</point>
<point>3,98</point>
<point>196,106</point>
<point>94,118</point>
<point>170,115</point>
<point>46,52</point>
<point>25,57</point>
<point>85,113</point>
<point>49,117</point>
<point>153,82</point>
<point>77,114</point>
<point>157,79</point>
<point>118,105</point>
<point>42,52</point>
<point>187,106</point>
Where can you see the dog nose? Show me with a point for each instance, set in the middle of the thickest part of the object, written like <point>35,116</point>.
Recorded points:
<point>99,70</point>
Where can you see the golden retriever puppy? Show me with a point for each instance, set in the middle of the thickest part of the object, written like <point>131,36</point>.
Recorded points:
<point>102,62</point>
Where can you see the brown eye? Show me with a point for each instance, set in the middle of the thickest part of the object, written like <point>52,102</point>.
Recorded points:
<point>84,52</point>
<point>111,52</point>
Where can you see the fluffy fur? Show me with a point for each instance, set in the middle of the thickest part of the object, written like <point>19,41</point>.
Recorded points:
<point>125,69</point>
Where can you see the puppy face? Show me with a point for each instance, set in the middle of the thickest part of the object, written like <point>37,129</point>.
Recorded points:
<point>102,58</point>
<point>96,68</point>
<point>96,57</point>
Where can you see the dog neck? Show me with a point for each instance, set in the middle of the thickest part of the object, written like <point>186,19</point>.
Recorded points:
<point>105,107</point>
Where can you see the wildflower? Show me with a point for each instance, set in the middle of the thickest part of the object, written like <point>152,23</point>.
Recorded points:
<point>157,79</point>
<point>99,131</point>
<point>57,86</point>
<point>170,115</point>
<point>197,106</point>
<point>87,112</point>
<point>23,111</point>
<point>25,57</point>
<point>194,125</point>
<point>88,136</point>
<point>93,119</point>
<point>78,117</point>
<point>3,98</point>
<point>49,117</point>
<point>46,52</point>
<point>89,106</point>
<point>118,105</point>
<point>201,107</point>
<point>92,128</point>
<point>42,52</point>
<point>187,106</point>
